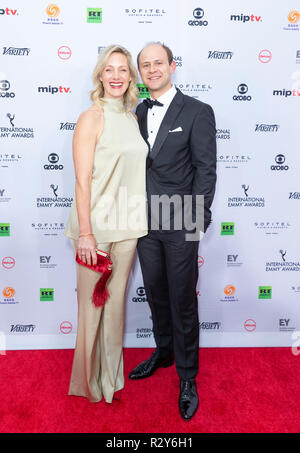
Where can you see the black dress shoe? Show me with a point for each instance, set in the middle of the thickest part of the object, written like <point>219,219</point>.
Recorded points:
<point>188,399</point>
<point>147,368</point>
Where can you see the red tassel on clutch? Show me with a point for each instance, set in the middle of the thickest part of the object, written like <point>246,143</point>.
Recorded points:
<point>104,266</point>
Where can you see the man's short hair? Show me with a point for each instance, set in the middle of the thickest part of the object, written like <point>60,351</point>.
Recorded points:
<point>167,49</point>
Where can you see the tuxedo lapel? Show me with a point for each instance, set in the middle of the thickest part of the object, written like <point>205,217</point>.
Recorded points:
<point>142,120</point>
<point>167,122</point>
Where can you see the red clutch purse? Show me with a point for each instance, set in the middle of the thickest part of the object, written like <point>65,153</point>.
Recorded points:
<point>104,266</point>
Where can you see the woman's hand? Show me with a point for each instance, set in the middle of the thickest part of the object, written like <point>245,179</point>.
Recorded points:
<point>87,249</point>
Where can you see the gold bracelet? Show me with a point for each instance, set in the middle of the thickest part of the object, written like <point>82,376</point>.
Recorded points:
<point>83,235</point>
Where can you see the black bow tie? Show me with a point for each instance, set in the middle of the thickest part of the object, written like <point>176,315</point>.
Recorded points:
<point>150,103</point>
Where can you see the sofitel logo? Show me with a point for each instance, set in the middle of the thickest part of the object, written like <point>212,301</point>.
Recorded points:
<point>273,228</point>
<point>246,201</point>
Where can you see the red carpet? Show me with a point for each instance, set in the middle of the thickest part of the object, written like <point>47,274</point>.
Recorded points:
<point>241,390</point>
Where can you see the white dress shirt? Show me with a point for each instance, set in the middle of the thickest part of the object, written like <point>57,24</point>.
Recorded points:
<point>157,113</point>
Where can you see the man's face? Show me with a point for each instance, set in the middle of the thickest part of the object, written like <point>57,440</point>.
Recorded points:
<point>155,69</point>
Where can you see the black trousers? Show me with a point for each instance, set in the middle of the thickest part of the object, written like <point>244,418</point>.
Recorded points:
<point>169,266</point>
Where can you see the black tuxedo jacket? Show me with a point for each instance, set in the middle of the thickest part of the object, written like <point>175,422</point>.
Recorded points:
<point>182,162</point>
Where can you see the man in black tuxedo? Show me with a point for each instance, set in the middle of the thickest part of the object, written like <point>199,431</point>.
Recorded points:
<point>181,135</point>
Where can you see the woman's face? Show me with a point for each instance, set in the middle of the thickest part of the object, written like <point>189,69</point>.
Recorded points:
<point>115,76</point>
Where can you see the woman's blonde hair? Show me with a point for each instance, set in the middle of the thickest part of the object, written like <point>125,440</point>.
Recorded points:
<point>130,97</point>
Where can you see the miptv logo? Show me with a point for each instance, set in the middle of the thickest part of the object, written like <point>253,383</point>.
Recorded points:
<point>8,262</point>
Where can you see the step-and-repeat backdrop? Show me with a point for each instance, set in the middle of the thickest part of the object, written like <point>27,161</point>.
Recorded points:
<point>242,58</point>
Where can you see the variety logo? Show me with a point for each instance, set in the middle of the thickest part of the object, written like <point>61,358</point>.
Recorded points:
<point>227,228</point>
<point>293,19</point>
<point>64,52</point>
<point>220,54</point>
<point>250,325</point>
<point>280,160</point>
<point>245,18</point>
<point>65,327</point>
<point>53,158</point>
<point>54,90</point>
<point>141,295</point>
<point>4,229</point>
<point>21,51</point>
<point>204,325</point>
<point>22,328</point>
<point>8,12</point>
<point>15,132</point>
<point>144,332</point>
<point>8,262</point>
<point>55,201</point>
<point>298,56</point>
<point>46,294</point>
<point>283,265</point>
<point>265,292</point>
<point>100,48</point>
<point>265,56</point>
<point>67,126</point>
<point>52,12</point>
<point>246,201</point>
<point>242,90</point>
<point>294,196</point>
<point>4,89</point>
<point>266,127</point>
<point>94,15</point>
<point>198,14</point>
